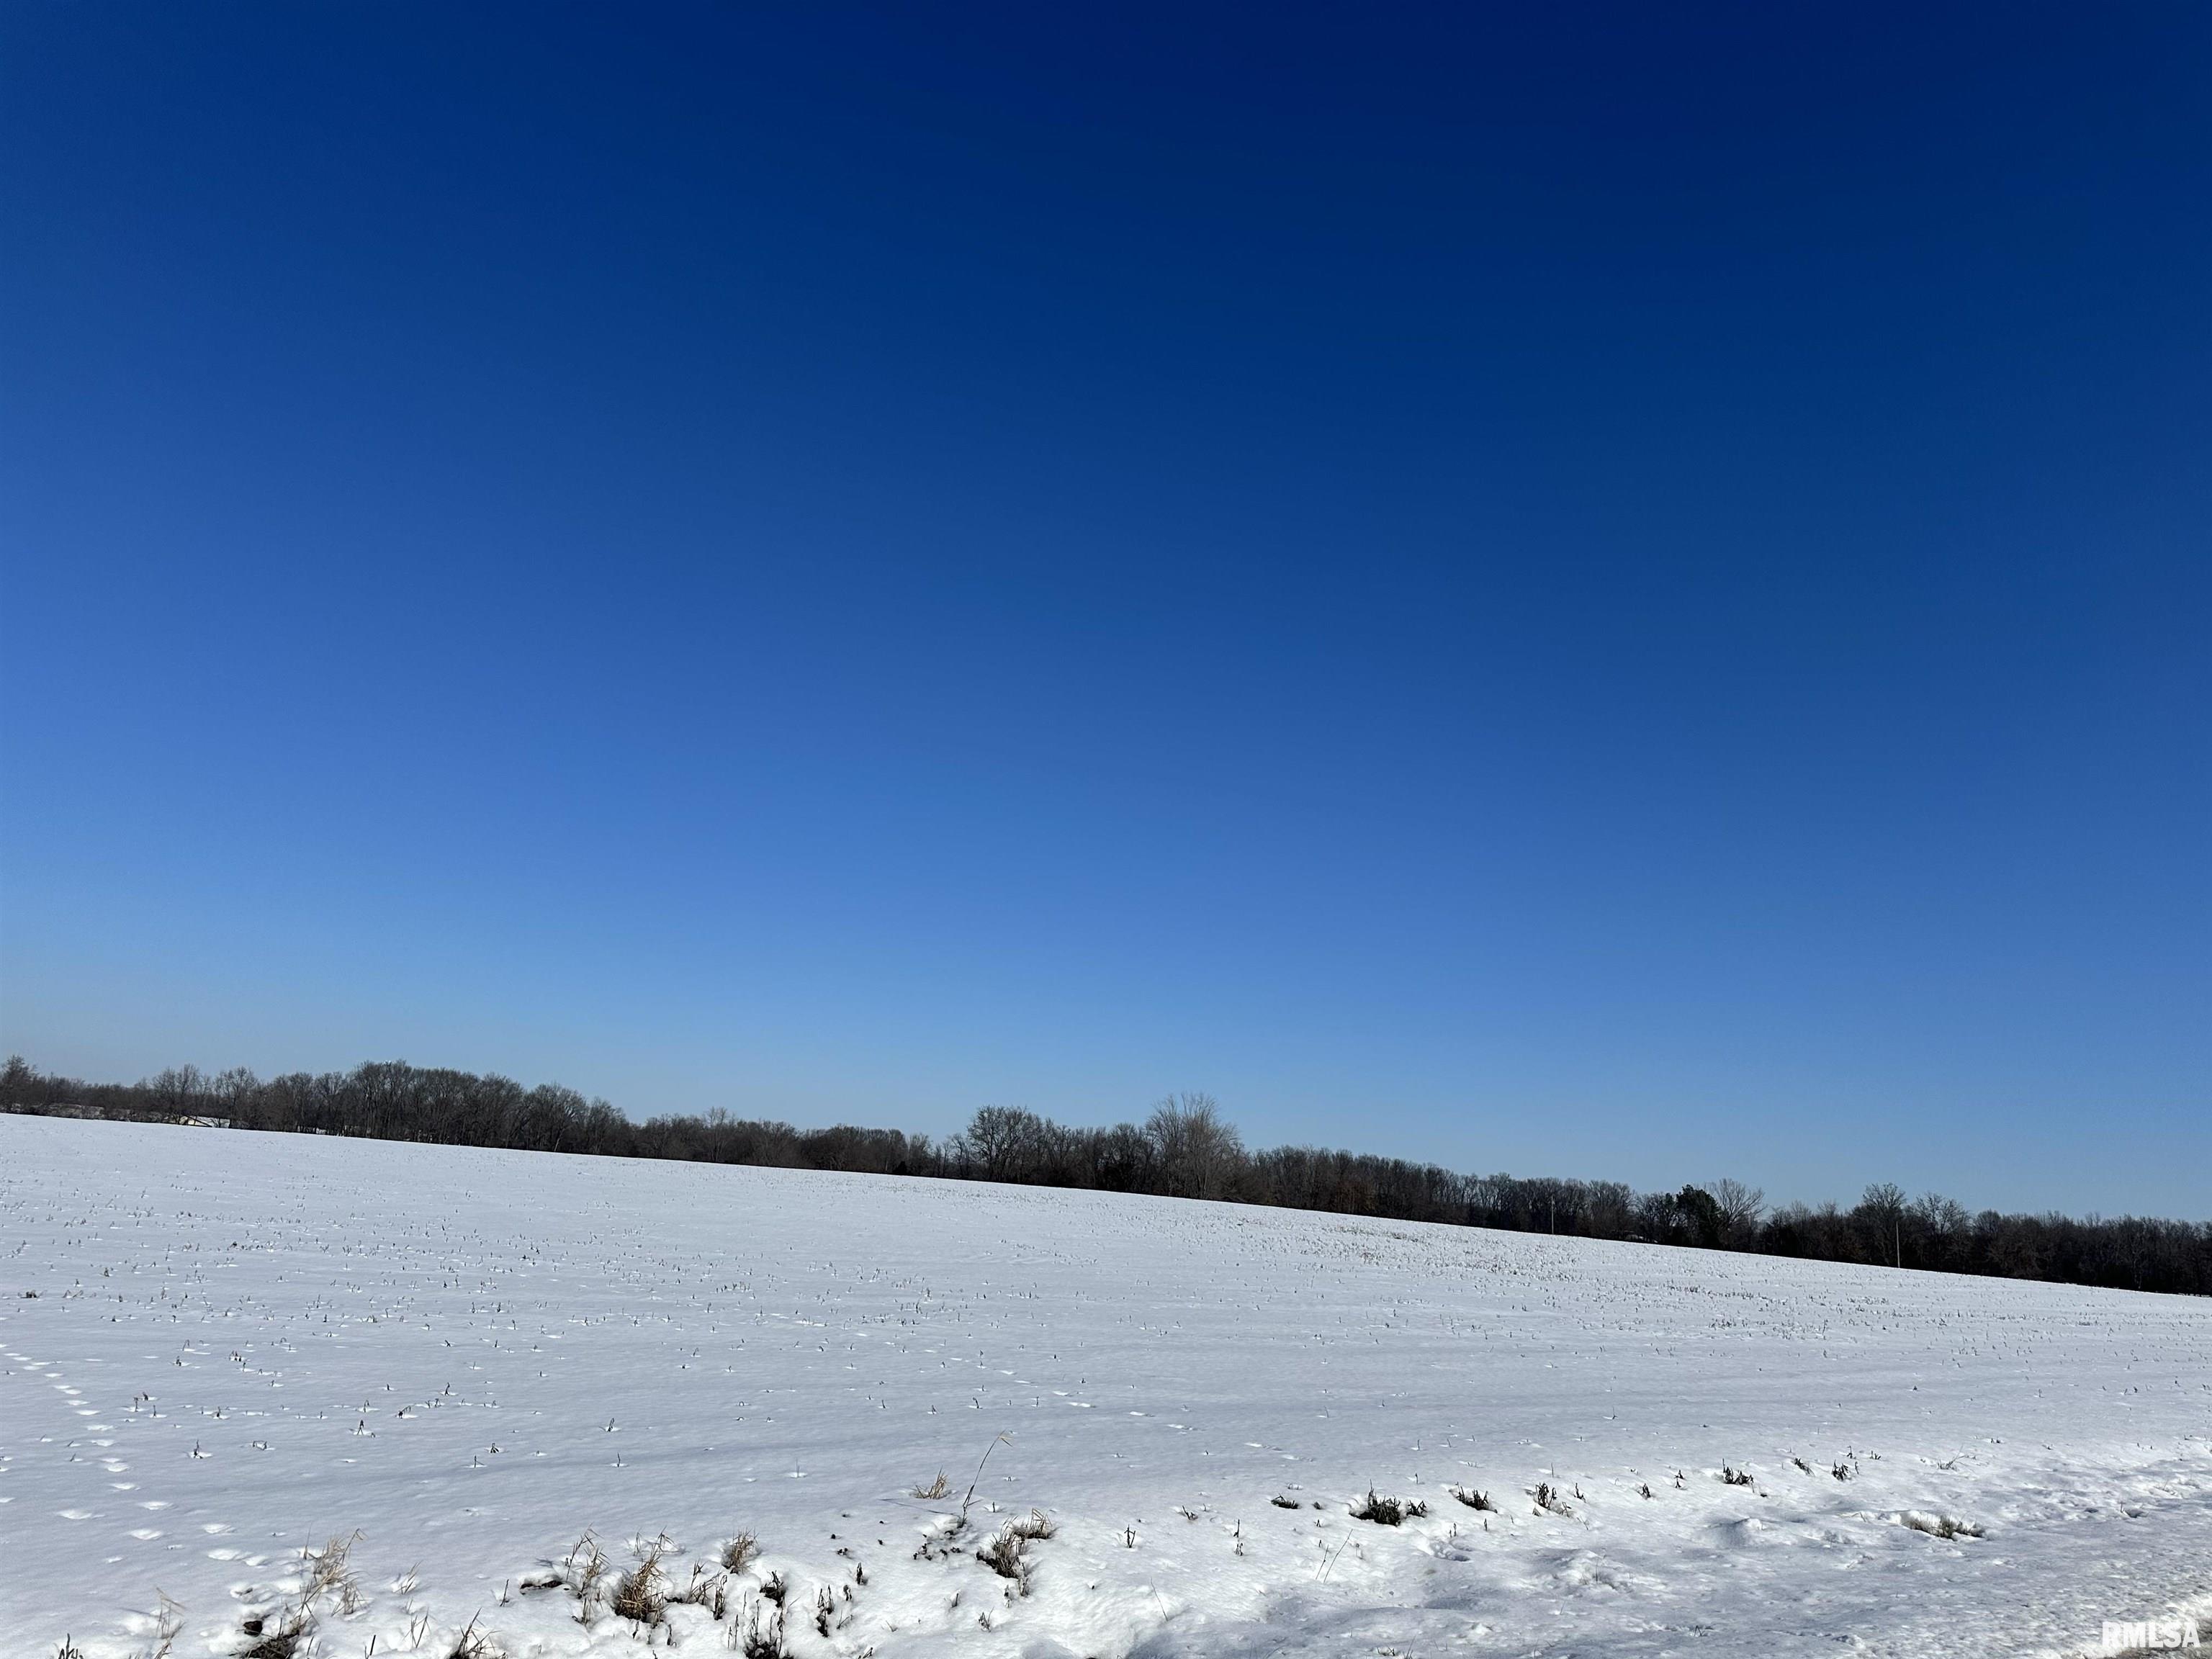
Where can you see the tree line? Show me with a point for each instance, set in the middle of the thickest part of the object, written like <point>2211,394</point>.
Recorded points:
<point>1185,1148</point>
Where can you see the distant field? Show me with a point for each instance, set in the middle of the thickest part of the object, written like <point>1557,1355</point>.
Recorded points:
<point>240,1346</point>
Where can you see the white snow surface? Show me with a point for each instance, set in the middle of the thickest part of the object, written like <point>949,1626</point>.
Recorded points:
<point>241,1345</point>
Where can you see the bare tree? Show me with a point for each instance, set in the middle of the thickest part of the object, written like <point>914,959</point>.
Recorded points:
<point>1740,1207</point>
<point>1002,1141</point>
<point>1198,1150</point>
<point>1881,1208</point>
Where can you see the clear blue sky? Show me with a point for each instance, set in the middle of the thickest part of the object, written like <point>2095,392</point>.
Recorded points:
<point>1617,591</point>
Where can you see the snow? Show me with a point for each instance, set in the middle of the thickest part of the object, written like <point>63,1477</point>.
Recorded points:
<point>242,1345</point>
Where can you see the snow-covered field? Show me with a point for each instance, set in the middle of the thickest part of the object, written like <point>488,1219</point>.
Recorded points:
<point>242,1347</point>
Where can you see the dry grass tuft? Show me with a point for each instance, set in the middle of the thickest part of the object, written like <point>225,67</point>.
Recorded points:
<point>760,1635</point>
<point>1008,1555</point>
<point>474,1643</point>
<point>168,1625</point>
<point>936,1489</point>
<point>639,1595</point>
<point>1945,1527</point>
<point>707,1589</point>
<point>282,1643</point>
<point>1388,1511</point>
<point>328,1574</point>
<point>582,1570</point>
<point>738,1550</point>
<point>1033,1526</point>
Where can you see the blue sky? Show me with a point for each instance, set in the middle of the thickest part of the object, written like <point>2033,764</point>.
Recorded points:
<point>1604,591</point>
